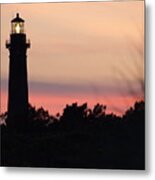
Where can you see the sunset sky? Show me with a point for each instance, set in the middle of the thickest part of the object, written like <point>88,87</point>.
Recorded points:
<point>80,52</point>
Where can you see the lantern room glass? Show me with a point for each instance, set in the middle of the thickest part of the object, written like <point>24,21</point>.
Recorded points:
<point>17,28</point>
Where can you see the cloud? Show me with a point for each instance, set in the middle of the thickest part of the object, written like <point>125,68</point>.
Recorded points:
<point>83,88</point>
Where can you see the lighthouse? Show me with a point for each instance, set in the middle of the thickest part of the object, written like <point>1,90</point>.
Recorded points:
<point>18,83</point>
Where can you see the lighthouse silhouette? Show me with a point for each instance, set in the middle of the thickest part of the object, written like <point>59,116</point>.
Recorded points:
<point>18,85</point>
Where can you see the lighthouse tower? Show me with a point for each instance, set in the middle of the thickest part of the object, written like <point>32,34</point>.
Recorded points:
<point>18,85</point>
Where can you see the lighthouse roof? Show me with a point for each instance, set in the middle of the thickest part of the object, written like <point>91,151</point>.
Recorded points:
<point>17,19</point>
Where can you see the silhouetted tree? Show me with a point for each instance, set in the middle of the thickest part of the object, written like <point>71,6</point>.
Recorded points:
<point>80,137</point>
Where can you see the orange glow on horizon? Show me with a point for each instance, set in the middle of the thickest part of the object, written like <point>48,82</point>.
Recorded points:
<point>56,104</point>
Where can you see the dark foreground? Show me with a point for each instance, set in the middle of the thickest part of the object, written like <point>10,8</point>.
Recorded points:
<point>77,139</point>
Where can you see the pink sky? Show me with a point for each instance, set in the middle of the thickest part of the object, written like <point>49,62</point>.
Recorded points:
<point>84,52</point>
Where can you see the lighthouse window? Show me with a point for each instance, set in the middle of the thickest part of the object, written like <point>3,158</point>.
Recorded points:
<point>17,28</point>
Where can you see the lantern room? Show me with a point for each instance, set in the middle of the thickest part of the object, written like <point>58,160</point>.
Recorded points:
<point>17,25</point>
